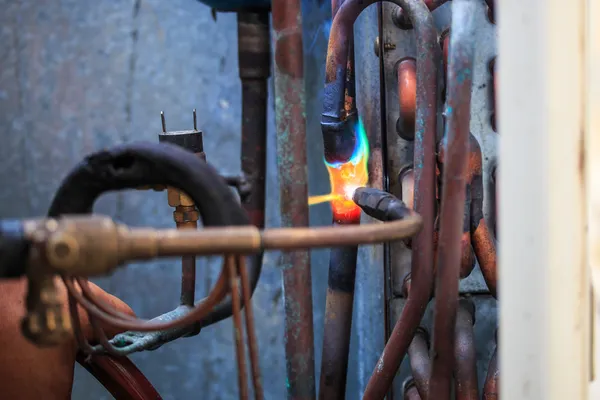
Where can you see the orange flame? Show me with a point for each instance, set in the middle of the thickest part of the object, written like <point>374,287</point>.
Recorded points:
<point>345,178</point>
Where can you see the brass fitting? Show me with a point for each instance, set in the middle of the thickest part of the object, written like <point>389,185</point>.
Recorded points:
<point>47,322</point>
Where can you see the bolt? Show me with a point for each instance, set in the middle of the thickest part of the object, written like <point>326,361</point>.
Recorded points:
<point>387,46</point>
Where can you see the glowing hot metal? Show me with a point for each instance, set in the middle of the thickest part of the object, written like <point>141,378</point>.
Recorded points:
<point>345,178</point>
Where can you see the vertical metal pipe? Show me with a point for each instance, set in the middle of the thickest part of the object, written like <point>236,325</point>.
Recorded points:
<point>238,333</point>
<point>338,322</point>
<point>292,169</point>
<point>458,111</point>
<point>250,329</point>
<point>465,366</point>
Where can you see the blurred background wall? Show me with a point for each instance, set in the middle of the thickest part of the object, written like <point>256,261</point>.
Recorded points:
<point>80,75</point>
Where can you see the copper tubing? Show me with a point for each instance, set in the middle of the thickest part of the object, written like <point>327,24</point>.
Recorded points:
<point>482,239</point>
<point>338,322</point>
<point>407,98</point>
<point>491,388</point>
<point>420,362</point>
<point>458,110</point>
<point>428,56</point>
<point>410,391</point>
<point>290,116</point>
<point>465,365</point>
<point>188,263</point>
<point>238,333</point>
<point>250,329</point>
<point>119,376</point>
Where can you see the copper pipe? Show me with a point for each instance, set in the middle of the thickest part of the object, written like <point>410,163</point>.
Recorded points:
<point>238,333</point>
<point>458,109</point>
<point>465,365</point>
<point>491,388</point>
<point>119,376</point>
<point>250,329</point>
<point>291,151</point>
<point>482,239</point>
<point>420,362</point>
<point>410,391</point>
<point>338,322</point>
<point>407,98</point>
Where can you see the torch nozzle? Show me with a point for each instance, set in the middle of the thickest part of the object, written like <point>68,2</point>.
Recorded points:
<point>379,204</point>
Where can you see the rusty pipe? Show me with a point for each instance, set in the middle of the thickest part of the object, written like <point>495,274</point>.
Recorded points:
<point>407,98</point>
<point>420,362</point>
<point>410,390</point>
<point>403,22</point>
<point>458,110</point>
<point>292,167</point>
<point>484,243</point>
<point>491,387</point>
<point>338,322</point>
<point>465,365</point>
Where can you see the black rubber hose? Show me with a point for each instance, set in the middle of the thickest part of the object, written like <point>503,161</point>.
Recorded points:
<point>140,164</point>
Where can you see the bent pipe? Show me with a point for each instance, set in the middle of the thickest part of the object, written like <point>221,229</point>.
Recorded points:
<point>428,62</point>
<point>400,19</point>
<point>406,72</point>
<point>120,377</point>
<point>141,164</point>
<point>420,362</point>
<point>484,243</point>
<point>465,364</point>
<point>458,111</point>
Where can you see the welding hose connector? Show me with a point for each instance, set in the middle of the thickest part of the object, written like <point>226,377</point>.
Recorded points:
<point>380,205</point>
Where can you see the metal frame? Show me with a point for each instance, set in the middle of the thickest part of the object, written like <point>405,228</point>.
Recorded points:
<point>545,282</point>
